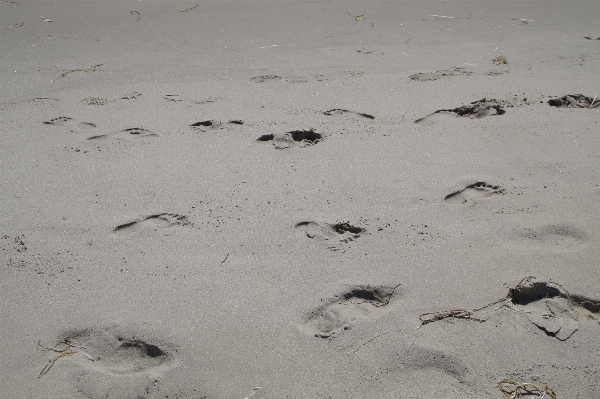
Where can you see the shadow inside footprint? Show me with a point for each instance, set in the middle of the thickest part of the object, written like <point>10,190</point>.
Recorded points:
<point>205,126</point>
<point>111,351</point>
<point>153,222</point>
<point>552,309</point>
<point>345,112</point>
<point>574,101</point>
<point>341,232</point>
<point>341,312</point>
<point>475,190</point>
<point>296,138</point>
<point>64,120</point>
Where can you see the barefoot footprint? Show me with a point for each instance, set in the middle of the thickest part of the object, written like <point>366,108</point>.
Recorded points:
<point>472,191</point>
<point>65,121</point>
<point>126,134</point>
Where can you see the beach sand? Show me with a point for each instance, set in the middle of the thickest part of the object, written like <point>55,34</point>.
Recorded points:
<point>299,199</point>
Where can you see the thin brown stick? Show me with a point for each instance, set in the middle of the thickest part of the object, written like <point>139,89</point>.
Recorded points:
<point>189,9</point>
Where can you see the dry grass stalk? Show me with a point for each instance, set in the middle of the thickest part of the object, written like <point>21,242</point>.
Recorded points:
<point>427,318</point>
<point>68,349</point>
<point>87,70</point>
<point>513,389</point>
<point>189,9</point>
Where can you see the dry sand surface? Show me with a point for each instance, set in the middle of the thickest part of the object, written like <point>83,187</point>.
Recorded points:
<point>203,198</point>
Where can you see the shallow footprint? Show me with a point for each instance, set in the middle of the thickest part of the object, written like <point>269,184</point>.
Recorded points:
<point>351,114</point>
<point>296,138</point>
<point>153,222</point>
<point>551,236</point>
<point>114,351</point>
<point>344,310</point>
<point>432,373</point>
<point>127,134</point>
<point>342,232</point>
<point>66,121</point>
<point>472,191</point>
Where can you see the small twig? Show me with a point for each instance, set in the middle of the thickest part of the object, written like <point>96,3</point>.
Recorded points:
<point>189,9</point>
<point>46,19</point>
<point>135,12</point>
<point>227,256</point>
<point>593,101</point>
<point>457,313</point>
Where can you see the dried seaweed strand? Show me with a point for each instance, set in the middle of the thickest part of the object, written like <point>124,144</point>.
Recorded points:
<point>88,70</point>
<point>524,387</point>
<point>189,9</point>
<point>69,350</point>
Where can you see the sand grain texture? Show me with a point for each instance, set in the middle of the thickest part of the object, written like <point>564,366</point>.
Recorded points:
<point>210,199</point>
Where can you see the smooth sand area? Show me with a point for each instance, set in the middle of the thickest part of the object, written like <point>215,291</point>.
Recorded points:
<point>299,199</point>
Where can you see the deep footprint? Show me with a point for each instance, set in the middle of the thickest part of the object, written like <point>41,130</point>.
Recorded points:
<point>475,110</point>
<point>153,222</point>
<point>552,309</point>
<point>344,310</point>
<point>296,138</point>
<point>64,120</point>
<point>574,101</point>
<point>339,232</point>
<point>345,112</point>
<point>475,190</point>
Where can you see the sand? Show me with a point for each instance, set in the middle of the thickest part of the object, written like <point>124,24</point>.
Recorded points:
<point>203,198</point>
